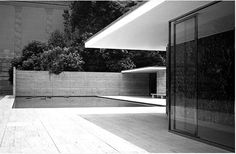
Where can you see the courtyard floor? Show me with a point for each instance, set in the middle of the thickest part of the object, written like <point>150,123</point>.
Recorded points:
<point>90,131</point>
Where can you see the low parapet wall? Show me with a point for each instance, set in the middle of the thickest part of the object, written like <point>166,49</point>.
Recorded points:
<point>41,83</point>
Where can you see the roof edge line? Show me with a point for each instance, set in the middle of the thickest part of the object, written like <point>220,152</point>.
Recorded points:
<point>150,5</point>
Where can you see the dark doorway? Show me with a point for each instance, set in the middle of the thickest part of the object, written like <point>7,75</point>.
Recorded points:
<point>152,83</point>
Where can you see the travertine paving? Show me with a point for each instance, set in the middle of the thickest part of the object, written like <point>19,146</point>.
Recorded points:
<point>150,132</point>
<point>56,130</point>
<point>86,131</point>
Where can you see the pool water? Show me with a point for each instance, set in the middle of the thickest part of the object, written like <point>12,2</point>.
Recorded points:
<point>72,102</point>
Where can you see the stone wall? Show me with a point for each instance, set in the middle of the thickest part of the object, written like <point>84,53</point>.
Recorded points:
<point>41,83</point>
<point>161,82</point>
<point>21,23</point>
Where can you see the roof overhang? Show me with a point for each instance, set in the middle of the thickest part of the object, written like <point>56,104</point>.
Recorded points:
<point>145,28</point>
<point>152,69</point>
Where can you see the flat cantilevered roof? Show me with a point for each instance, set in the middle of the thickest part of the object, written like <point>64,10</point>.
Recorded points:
<point>151,69</point>
<point>145,28</point>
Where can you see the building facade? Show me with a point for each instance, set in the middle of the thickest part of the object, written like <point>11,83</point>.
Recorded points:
<point>21,23</point>
<point>200,40</point>
<point>202,74</point>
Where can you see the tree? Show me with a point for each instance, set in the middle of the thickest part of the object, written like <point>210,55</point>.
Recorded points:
<point>30,59</point>
<point>148,58</point>
<point>118,60</point>
<point>57,39</point>
<point>94,61</point>
<point>59,59</point>
<point>38,56</point>
<point>87,18</point>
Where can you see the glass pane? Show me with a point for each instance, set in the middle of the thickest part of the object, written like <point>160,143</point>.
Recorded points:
<point>171,76</point>
<point>203,74</point>
<point>216,73</point>
<point>185,76</point>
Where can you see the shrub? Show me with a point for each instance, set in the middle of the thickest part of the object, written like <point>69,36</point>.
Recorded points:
<point>31,53</point>
<point>35,48</point>
<point>57,39</point>
<point>37,56</point>
<point>58,60</point>
<point>52,61</point>
<point>30,58</point>
<point>119,65</point>
<point>72,60</point>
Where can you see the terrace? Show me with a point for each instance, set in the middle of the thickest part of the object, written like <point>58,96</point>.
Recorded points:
<point>90,130</point>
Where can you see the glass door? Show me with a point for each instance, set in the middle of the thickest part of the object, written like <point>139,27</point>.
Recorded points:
<point>201,74</point>
<point>185,69</point>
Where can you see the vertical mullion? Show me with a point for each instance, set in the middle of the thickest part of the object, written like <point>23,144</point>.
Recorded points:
<point>174,67</point>
<point>196,50</point>
<point>169,76</point>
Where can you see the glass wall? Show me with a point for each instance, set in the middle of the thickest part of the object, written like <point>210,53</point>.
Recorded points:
<point>202,74</point>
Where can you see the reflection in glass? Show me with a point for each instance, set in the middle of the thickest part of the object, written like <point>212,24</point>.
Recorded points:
<point>185,76</point>
<point>202,65</point>
<point>216,74</point>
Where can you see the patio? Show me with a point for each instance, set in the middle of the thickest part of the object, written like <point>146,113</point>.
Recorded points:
<point>90,130</point>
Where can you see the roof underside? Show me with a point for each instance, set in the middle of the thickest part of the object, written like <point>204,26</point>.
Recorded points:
<point>152,69</point>
<point>145,28</point>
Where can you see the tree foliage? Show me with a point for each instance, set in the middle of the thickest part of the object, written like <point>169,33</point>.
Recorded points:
<point>57,39</point>
<point>61,59</point>
<point>39,56</point>
<point>87,18</point>
<point>65,51</point>
<point>118,60</point>
<point>30,58</point>
<point>148,58</point>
